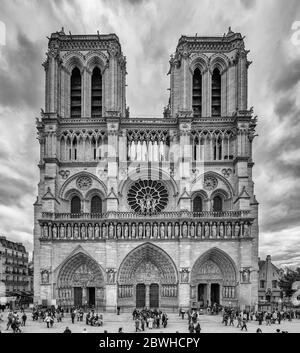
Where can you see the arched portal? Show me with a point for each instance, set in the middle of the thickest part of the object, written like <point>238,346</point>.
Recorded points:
<point>214,279</point>
<point>80,282</point>
<point>147,277</point>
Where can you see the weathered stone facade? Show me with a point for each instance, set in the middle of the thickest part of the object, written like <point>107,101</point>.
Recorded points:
<point>146,212</point>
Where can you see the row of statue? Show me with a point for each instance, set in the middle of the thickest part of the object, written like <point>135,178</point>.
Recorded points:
<point>228,292</point>
<point>169,291</point>
<point>133,230</point>
<point>125,291</point>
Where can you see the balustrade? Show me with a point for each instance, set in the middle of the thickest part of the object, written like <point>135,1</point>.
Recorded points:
<point>154,229</point>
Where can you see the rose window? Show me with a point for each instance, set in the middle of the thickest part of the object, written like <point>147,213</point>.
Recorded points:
<point>147,196</point>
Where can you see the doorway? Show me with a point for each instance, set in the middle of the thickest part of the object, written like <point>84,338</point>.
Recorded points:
<point>215,293</point>
<point>154,295</point>
<point>77,296</point>
<point>202,294</point>
<point>140,295</point>
<point>91,296</point>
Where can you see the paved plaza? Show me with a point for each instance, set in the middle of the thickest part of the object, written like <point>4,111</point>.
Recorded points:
<point>112,322</point>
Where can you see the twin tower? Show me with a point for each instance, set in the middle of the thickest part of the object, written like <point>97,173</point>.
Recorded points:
<point>136,212</point>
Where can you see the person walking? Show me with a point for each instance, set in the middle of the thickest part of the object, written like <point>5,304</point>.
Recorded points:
<point>244,325</point>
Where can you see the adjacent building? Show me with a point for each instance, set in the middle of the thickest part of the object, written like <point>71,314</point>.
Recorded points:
<point>269,291</point>
<point>13,268</point>
<point>136,212</point>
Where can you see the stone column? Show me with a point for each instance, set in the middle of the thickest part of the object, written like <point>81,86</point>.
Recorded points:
<point>209,293</point>
<point>147,295</point>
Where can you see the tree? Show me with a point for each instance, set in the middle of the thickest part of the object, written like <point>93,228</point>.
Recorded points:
<point>288,279</point>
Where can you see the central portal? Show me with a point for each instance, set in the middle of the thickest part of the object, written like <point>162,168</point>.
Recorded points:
<point>140,295</point>
<point>147,295</point>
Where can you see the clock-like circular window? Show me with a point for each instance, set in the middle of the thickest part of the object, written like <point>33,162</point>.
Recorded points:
<point>147,196</point>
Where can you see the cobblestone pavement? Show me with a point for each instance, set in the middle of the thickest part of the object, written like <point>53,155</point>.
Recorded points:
<point>112,322</point>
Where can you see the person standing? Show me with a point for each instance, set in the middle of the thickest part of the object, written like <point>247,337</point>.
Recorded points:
<point>72,316</point>
<point>24,318</point>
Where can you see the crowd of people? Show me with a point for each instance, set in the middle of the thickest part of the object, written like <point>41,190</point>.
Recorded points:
<point>149,318</point>
<point>241,318</point>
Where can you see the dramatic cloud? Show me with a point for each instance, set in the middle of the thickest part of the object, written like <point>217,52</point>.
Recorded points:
<point>149,31</point>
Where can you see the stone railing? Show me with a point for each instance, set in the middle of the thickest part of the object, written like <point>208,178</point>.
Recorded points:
<point>132,215</point>
<point>127,225</point>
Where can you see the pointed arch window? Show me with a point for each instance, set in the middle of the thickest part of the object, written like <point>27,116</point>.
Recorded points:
<point>197,204</point>
<point>197,93</point>
<point>216,93</point>
<point>96,204</point>
<point>217,204</point>
<point>96,103</point>
<point>75,205</point>
<point>75,93</point>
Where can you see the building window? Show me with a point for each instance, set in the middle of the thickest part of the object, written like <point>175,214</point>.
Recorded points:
<point>216,93</point>
<point>96,93</point>
<point>197,93</point>
<point>262,284</point>
<point>217,204</point>
<point>274,284</point>
<point>75,93</point>
<point>96,204</point>
<point>75,205</point>
<point>197,204</point>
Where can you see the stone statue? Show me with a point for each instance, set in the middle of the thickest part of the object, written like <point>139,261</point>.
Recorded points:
<point>83,232</point>
<point>237,229</point>
<point>126,231</point>
<point>176,229</point>
<point>97,231</point>
<point>229,230</point>
<point>140,230</point>
<point>45,231</point>
<point>104,231</point>
<point>206,230</point>
<point>111,231</point>
<point>119,231</point>
<point>184,230</point>
<point>245,275</point>
<point>221,230</point>
<point>155,230</point>
<point>133,230</point>
<point>214,230</point>
<point>90,231</point>
<point>246,230</point>
<point>148,230</point>
<point>169,234</point>
<point>54,231</point>
<point>69,231</point>
<point>162,231</point>
<point>62,231</point>
<point>199,230</point>
<point>192,230</point>
<point>45,277</point>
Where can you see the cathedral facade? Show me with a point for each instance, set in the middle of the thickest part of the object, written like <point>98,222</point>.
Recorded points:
<point>136,212</point>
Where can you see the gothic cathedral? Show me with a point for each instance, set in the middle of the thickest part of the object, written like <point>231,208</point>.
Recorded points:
<point>146,212</point>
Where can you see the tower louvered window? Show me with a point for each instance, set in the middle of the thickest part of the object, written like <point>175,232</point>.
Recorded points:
<point>216,93</point>
<point>75,93</point>
<point>96,93</point>
<point>197,93</point>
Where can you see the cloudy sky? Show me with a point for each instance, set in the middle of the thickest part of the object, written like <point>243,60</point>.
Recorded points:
<point>149,31</point>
